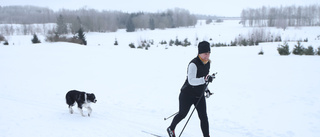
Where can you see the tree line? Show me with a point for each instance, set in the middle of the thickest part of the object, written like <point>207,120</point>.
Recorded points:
<point>97,21</point>
<point>281,16</point>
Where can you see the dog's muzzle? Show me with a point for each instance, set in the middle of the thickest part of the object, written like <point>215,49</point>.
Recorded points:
<point>94,101</point>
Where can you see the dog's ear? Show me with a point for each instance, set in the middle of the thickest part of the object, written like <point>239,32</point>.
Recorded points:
<point>89,94</point>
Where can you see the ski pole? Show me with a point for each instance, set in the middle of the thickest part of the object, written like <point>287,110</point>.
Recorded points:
<point>171,115</point>
<point>196,105</point>
<point>192,113</point>
<point>178,111</point>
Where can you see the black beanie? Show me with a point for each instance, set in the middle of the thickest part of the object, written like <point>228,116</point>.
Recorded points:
<point>203,47</point>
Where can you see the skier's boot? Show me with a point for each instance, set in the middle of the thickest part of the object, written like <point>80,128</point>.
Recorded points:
<point>170,132</point>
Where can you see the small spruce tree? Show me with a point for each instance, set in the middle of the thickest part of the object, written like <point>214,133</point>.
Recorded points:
<point>186,43</point>
<point>163,42</point>
<point>284,49</point>
<point>82,36</point>
<point>131,45</point>
<point>298,49</point>
<point>116,42</point>
<point>233,43</point>
<point>171,42</point>
<point>35,39</point>
<point>244,42</point>
<point>177,42</point>
<point>309,51</point>
<point>6,43</point>
<point>261,52</point>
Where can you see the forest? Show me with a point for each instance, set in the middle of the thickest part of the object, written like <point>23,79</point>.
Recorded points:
<point>28,20</point>
<point>92,20</point>
<point>281,17</point>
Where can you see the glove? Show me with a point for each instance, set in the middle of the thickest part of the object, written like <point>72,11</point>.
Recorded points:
<point>209,78</point>
<point>214,75</point>
<point>208,93</point>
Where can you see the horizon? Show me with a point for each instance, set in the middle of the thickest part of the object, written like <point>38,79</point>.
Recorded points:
<point>202,7</point>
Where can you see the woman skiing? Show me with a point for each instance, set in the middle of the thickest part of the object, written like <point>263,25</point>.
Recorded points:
<point>193,89</point>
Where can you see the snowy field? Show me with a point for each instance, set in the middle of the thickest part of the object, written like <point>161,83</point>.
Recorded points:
<point>254,96</point>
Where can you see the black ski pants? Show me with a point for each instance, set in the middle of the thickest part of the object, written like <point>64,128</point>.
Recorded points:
<point>186,100</point>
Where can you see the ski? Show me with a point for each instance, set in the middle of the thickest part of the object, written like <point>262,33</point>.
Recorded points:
<point>155,135</point>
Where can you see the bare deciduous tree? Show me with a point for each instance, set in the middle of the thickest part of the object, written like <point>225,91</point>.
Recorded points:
<point>282,16</point>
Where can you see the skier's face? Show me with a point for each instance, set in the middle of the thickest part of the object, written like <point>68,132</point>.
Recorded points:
<point>205,56</point>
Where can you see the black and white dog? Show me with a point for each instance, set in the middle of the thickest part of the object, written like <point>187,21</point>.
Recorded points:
<point>83,99</point>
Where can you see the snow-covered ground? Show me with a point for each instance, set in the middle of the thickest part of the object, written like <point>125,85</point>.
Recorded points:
<point>255,96</point>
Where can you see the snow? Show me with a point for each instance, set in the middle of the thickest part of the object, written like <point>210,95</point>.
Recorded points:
<point>254,96</point>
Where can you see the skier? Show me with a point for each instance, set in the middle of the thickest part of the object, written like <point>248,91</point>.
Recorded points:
<point>193,90</point>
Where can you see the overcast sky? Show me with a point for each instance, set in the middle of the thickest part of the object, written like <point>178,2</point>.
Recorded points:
<point>208,7</point>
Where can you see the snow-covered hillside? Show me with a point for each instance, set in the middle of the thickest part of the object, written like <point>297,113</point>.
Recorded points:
<point>255,96</point>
